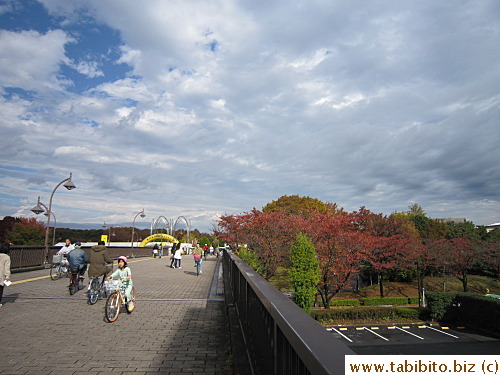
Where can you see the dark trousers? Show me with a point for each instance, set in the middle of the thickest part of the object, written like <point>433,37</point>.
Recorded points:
<point>1,293</point>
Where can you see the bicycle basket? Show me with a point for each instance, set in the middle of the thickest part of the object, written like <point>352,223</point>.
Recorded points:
<point>57,258</point>
<point>113,285</point>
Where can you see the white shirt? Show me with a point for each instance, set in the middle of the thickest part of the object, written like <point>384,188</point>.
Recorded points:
<point>66,249</point>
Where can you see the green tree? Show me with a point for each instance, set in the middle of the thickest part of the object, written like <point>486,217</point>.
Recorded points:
<point>205,241</point>
<point>416,209</point>
<point>304,271</point>
<point>295,205</point>
<point>466,229</point>
<point>27,232</point>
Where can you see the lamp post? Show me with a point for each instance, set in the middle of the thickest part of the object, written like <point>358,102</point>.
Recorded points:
<point>133,225</point>
<point>68,184</point>
<point>38,210</point>
<point>55,225</point>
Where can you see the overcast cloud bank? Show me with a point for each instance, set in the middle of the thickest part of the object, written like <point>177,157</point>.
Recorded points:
<point>203,108</point>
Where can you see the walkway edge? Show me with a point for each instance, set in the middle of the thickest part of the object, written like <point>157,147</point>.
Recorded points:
<point>241,364</point>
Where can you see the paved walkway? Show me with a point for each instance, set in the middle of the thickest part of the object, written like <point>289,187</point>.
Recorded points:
<point>178,327</point>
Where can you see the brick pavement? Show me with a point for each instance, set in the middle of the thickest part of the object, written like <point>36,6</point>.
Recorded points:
<point>178,327</point>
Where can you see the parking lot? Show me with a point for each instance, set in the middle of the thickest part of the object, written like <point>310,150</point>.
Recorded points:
<point>415,339</point>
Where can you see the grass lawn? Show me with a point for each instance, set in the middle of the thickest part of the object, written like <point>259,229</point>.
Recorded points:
<point>477,284</point>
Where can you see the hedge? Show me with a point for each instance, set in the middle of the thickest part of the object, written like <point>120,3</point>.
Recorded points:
<point>369,313</point>
<point>377,301</point>
<point>465,309</point>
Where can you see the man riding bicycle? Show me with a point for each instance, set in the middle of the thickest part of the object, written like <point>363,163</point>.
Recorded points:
<point>64,251</point>
<point>98,259</point>
<point>78,260</point>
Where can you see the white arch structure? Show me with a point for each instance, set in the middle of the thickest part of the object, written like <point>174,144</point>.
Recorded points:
<point>169,226</point>
<point>154,225</point>
<point>187,225</point>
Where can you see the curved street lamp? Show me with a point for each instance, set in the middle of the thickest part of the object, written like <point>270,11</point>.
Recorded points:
<point>68,184</point>
<point>133,225</point>
<point>38,210</point>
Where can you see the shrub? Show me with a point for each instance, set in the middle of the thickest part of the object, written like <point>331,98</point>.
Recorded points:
<point>465,309</point>
<point>304,271</point>
<point>413,300</point>
<point>377,301</point>
<point>441,305</point>
<point>478,311</point>
<point>369,313</point>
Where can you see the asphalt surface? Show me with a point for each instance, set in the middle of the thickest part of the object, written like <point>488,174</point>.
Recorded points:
<point>178,327</point>
<point>419,339</point>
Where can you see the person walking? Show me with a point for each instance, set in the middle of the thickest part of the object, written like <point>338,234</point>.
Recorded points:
<point>4,267</point>
<point>178,256</point>
<point>175,246</point>
<point>98,259</point>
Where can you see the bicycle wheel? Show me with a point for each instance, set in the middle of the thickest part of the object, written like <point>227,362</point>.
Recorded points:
<point>93,293</point>
<point>130,305</point>
<point>73,288</point>
<point>113,304</point>
<point>197,268</point>
<point>55,272</point>
<point>81,283</point>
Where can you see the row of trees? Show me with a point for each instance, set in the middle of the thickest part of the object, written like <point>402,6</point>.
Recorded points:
<point>30,231</point>
<point>360,242</point>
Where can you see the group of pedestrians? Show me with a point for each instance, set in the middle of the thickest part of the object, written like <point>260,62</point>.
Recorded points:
<point>176,257</point>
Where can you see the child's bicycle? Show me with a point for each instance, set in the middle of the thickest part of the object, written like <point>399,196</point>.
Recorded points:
<point>116,299</point>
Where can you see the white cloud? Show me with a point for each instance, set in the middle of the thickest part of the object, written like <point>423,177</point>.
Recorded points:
<point>203,108</point>
<point>31,60</point>
<point>88,68</point>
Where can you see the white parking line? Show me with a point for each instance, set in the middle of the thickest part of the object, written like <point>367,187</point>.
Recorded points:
<point>340,333</point>
<point>410,333</point>
<point>444,333</point>
<point>375,333</point>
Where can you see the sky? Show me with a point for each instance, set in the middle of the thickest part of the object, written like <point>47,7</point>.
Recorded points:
<point>200,108</point>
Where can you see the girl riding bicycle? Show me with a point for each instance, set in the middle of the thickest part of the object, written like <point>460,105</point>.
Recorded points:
<point>125,274</point>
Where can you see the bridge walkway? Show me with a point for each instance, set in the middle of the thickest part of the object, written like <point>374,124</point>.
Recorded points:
<point>178,327</point>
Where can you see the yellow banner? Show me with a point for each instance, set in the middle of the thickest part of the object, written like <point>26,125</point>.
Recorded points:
<point>104,237</point>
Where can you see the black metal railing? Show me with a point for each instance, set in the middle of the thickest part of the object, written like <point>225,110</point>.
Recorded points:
<point>22,257</point>
<point>280,338</point>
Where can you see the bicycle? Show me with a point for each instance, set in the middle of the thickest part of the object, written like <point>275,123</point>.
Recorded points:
<point>75,285</point>
<point>96,289</point>
<point>197,264</point>
<point>59,268</point>
<point>117,299</point>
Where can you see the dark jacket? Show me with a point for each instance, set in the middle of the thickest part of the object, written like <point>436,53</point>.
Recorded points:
<point>98,259</point>
<point>77,259</point>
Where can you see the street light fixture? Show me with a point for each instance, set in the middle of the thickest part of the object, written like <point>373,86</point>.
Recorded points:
<point>142,214</point>
<point>38,210</point>
<point>68,184</point>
